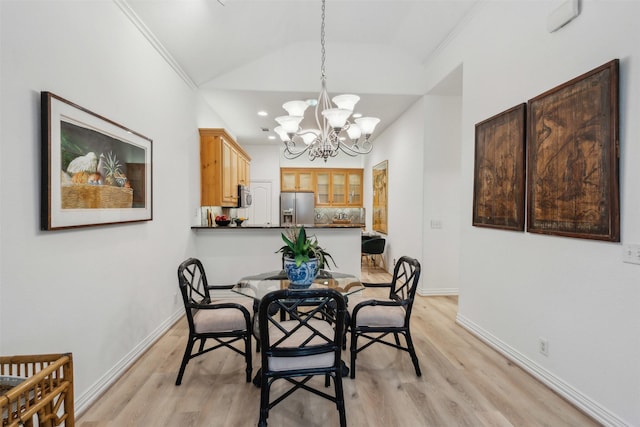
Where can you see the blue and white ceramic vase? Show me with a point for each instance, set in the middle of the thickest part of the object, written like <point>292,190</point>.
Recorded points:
<point>301,276</point>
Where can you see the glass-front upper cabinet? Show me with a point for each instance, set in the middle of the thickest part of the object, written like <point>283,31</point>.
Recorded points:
<point>338,188</point>
<point>332,187</point>
<point>294,179</point>
<point>323,188</point>
<point>305,180</point>
<point>355,188</point>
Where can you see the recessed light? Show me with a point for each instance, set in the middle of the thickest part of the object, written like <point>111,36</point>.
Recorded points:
<point>263,113</point>
<point>357,115</point>
<point>312,102</point>
<point>271,137</point>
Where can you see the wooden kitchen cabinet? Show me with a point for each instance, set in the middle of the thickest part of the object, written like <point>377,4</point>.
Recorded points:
<point>223,165</point>
<point>333,187</point>
<point>339,187</point>
<point>243,170</point>
<point>296,179</point>
<point>323,187</point>
<point>330,187</point>
<point>354,187</point>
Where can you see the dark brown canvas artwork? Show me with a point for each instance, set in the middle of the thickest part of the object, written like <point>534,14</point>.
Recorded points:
<point>498,197</point>
<point>573,158</point>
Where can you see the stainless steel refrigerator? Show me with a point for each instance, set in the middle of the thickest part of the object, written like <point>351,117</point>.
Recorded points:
<point>297,208</point>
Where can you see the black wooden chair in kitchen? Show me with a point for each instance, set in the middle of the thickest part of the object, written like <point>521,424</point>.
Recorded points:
<point>374,319</point>
<point>372,250</point>
<point>225,320</point>
<point>307,344</point>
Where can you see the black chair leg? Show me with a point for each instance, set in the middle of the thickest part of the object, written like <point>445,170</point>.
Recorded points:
<point>264,402</point>
<point>340,400</point>
<point>247,356</point>
<point>412,352</point>
<point>354,351</point>
<point>185,360</point>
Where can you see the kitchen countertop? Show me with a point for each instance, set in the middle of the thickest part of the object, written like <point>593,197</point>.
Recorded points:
<point>258,227</point>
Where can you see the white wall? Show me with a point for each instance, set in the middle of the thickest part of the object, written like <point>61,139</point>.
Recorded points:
<point>102,293</point>
<point>441,219</point>
<point>518,287</point>
<point>402,145</point>
<point>340,161</point>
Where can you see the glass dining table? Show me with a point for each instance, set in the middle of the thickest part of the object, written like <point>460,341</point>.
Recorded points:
<point>258,286</point>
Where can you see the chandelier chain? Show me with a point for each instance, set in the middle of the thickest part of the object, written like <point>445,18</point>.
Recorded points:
<point>323,75</point>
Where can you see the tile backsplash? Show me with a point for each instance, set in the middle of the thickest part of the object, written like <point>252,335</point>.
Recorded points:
<point>327,215</point>
<point>322,215</point>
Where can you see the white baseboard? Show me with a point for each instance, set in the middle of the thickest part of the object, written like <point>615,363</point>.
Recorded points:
<point>434,292</point>
<point>83,402</point>
<point>557,384</point>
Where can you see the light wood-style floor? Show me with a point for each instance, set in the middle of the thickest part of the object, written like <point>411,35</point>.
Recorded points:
<point>463,383</point>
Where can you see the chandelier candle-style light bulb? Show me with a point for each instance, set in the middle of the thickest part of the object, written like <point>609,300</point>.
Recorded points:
<point>332,120</point>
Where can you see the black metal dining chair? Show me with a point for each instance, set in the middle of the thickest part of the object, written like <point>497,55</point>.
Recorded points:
<point>226,320</point>
<point>375,318</point>
<point>307,344</point>
<point>372,250</point>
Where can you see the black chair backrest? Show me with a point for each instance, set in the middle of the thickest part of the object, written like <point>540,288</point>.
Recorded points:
<point>374,246</point>
<point>194,287</point>
<point>404,284</point>
<point>302,309</point>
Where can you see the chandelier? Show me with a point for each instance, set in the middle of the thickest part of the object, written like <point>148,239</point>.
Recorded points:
<point>329,138</point>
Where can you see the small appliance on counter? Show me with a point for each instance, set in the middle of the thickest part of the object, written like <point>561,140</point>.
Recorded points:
<point>296,208</point>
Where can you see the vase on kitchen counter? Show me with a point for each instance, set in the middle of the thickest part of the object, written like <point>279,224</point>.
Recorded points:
<point>302,257</point>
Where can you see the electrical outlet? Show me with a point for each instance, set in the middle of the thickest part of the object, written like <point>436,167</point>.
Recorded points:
<point>394,262</point>
<point>543,346</point>
<point>436,224</point>
<point>631,253</point>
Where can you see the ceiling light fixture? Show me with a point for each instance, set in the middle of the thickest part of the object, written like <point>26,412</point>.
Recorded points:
<point>325,141</point>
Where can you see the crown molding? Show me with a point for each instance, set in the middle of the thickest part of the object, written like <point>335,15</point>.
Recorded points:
<point>155,43</point>
<point>455,32</point>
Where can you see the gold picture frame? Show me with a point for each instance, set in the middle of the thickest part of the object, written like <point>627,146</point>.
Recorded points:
<point>380,196</point>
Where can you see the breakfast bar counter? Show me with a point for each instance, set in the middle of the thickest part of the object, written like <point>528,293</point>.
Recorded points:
<point>254,227</point>
<point>231,252</point>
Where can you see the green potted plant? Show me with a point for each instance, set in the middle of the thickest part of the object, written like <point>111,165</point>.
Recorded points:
<point>303,256</point>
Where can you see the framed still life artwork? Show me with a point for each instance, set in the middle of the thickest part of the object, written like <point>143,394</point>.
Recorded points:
<point>573,156</point>
<point>499,174</point>
<point>380,176</point>
<point>94,171</point>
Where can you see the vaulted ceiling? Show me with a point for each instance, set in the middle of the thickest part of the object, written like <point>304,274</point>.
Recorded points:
<point>251,55</point>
